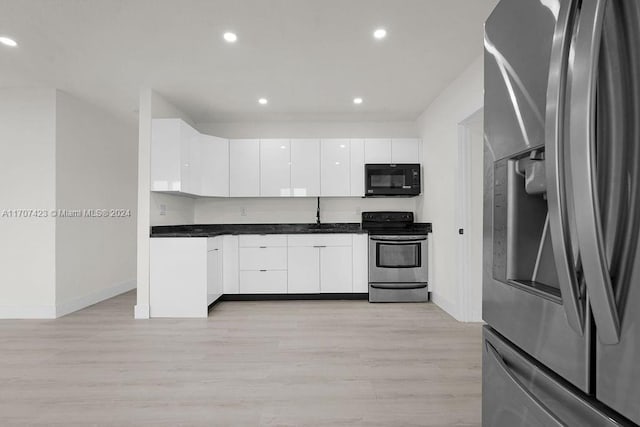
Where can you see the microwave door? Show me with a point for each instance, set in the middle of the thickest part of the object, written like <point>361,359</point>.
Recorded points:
<point>392,179</point>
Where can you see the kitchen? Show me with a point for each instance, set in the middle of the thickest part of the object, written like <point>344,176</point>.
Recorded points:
<point>319,213</point>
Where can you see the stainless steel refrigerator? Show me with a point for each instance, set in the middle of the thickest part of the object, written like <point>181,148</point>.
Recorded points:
<point>561,285</point>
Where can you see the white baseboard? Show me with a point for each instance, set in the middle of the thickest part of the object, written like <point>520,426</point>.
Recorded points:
<point>28,312</point>
<point>79,303</point>
<point>476,317</point>
<point>448,306</point>
<point>141,311</point>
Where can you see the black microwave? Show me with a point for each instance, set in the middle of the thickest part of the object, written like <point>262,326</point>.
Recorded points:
<point>401,179</point>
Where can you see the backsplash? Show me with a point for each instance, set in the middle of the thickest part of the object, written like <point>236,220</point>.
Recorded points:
<point>292,210</point>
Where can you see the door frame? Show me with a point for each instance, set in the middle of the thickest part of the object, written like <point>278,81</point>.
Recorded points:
<point>465,311</point>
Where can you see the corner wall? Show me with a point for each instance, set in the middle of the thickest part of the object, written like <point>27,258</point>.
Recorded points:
<point>96,169</point>
<point>438,126</point>
<point>27,174</point>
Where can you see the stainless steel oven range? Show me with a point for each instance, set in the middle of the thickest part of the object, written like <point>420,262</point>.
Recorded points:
<point>397,257</point>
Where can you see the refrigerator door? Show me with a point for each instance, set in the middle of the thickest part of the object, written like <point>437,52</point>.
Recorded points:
<point>605,146</point>
<point>517,391</point>
<point>524,298</point>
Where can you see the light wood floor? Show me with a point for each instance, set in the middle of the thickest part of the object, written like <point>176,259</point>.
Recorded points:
<point>284,363</point>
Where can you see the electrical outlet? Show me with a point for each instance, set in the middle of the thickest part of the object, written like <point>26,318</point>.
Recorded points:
<point>163,210</point>
<point>243,211</point>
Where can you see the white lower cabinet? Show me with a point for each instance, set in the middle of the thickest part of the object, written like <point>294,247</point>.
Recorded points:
<point>178,277</point>
<point>230,268</point>
<point>263,264</point>
<point>304,270</point>
<point>336,269</point>
<point>321,263</point>
<point>214,269</point>
<point>263,282</point>
<point>360,263</point>
<point>187,274</point>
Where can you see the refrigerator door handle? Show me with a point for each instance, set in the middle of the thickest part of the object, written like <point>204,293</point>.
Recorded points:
<point>555,170</point>
<point>583,164</point>
<point>504,368</point>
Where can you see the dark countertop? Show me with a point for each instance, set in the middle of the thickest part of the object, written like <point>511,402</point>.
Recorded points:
<point>212,230</point>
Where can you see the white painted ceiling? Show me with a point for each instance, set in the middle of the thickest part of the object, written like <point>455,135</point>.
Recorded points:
<point>310,58</point>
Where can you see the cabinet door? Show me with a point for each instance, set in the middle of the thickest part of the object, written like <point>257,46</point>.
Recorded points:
<point>305,167</point>
<point>336,270</point>
<point>165,155</point>
<point>377,150</point>
<point>263,282</point>
<point>178,277</point>
<point>335,168</point>
<point>304,270</point>
<point>263,258</point>
<point>357,167</point>
<point>405,150</point>
<point>230,267</point>
<point>360,263</point>
<point>214,169</point>
<point>275,169</point>
<point>244,168</point>
<point>214,273</point>
<point>191,159</point>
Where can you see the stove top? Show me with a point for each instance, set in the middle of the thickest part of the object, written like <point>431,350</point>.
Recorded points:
<point>393,223</point>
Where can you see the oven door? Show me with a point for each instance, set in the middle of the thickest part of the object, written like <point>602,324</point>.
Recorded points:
<point>398,259</point>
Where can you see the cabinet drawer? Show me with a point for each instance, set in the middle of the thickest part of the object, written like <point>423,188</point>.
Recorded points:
<point>263,282</point>
<point>297,240</point>
<point>267,240</point>
<point>263,258</point>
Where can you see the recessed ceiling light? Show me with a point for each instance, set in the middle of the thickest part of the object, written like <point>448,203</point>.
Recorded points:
<point>357,100</point>
<point>8,42</point>
<point>230,37</point>
<point>380,33</point>
<point>263,101</point>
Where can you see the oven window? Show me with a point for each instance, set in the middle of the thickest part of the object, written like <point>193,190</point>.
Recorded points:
<point>387,179</point>
<point>403,255</point>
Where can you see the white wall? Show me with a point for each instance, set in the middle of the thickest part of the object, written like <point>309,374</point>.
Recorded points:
<point>310,129</point>
<point>95,169</point>
<point>438,126</point>
<point>177,209</point>
<point>27,181</point>
<point>292,210</point>
<point>56,153</point>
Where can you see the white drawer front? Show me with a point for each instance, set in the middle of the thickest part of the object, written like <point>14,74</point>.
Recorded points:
<point>263,282</point>
<point>267,240</point>
<point>263,259</point>
<point>297,240</point>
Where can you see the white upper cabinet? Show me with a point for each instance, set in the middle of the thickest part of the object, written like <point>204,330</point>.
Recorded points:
<point>405,150</point>
<point>335,167</point>
<point>186,161</point>
<point>214,166</point>
<point>305,167</point>
<point>275,168</point>
<point>357,167</point>
<point>377,150</point>
<point>244,168</point>
<point>175,156</point>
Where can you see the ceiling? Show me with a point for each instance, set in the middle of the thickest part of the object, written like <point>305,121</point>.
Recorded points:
<point>310,58</point>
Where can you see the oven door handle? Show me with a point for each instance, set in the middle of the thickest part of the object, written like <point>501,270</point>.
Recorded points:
<point>398,285</point>
<point>398,239</point>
